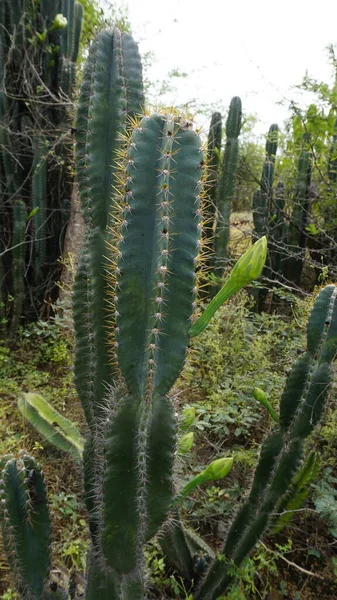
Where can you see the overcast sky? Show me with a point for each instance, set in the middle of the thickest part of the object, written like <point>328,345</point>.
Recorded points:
<point>256,50</point>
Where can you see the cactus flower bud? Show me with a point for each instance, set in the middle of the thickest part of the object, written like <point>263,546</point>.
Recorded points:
<point>218,469</point>
<point>187,417</point>
<point>60,22</point>
<point>248,268</point>
<point>185,443</point>
<point>250,265</point>
<point>261,397</point>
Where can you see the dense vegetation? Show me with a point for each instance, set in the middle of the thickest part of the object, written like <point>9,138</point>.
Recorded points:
<point>201,416</point>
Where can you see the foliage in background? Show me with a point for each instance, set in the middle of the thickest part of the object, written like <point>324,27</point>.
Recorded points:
<point>38,53</point>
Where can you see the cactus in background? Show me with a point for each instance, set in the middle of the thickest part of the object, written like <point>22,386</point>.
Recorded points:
<point>263,208</point>
<point>296,235</point>
<point>38,52</point>
<point>111,96</point>
<point>226,187</point>
<point>276,251</point>
<point>39,195</point>
<point>332,166</point>
<point>301,408</point>
<point>213,162</point>
<point>25,524</point>
<point>18,261</point>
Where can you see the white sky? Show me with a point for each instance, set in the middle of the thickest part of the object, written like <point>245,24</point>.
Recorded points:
<point>254,49</point>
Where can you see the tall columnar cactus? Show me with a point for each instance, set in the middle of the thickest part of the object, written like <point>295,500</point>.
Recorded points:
<point>276,252</point>
<point>296,234</point>
<point>152,271</point>
<point>38,52</point>
<point>18,261</point>
<point>25,523</point>
<point>213,163</point>
<point>301,408</point>
<point>39,195</point>
<point>264,209</point>
<point>110,98</point>
<point>226,186</point>
<point>332,166</point>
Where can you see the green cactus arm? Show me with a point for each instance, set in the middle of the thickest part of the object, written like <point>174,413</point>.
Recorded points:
<point>67,33</point>
<point>160,450</point>
<point>296,236</point>
<point>283,449</point>
<point>25,524</point>
<point>267,177</point>
<point>317,327</point>
<point>100,581</point>
<point>226,187</point>
<point>120,518</point>
<point>298,491</point>
<point>175,547</point>
<point>234,119</point>
<point>272,141</point>
<point>291,395</point>
<point>93,369</point>
<point>276,251</point>
<point>55,428</point>
<point>259,216</point>
<point>196,543</point>
<point>92,469</point>
<point>213,160</point>
<point>157,248</point>
<point>248,268</point>
<point>77,31</point>
<point>139,463</point>
<point>105,103</point>
<point>84,361</point>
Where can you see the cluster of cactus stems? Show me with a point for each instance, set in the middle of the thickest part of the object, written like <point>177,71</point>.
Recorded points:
<point>286,233</point>
<point>141,186</point>
<point>39,44</point>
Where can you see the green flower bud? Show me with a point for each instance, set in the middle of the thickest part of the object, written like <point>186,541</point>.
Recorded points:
<point>185,443</point>
<point>60,22</point>
<point>250,265</point>
<point>187,417</point>
<point>259,395</point>
<point>248,268</point>
<point>218,469</point>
